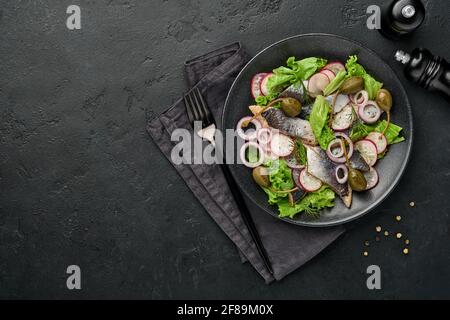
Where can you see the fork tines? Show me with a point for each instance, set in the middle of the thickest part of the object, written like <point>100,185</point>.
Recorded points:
<point>196,108</point>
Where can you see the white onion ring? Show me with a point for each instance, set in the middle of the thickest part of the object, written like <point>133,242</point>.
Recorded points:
<point>361,98</point>
<point>260,151</point>
<point>345,171</point>
<point>366,115</point>
<point>264,135</point>
<point>350,148</point>
<point>248,136</point>
<point>330,153</point>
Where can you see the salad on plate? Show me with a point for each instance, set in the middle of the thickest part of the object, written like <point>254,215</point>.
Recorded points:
<point>317,129</point>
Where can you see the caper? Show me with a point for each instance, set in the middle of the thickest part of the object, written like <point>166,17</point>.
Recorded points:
<point>291,106</point>
<point>384,100</point>
<point>291,199</point>
<point>260,176</point>
<point>352,85</point>
<point>356,180</point>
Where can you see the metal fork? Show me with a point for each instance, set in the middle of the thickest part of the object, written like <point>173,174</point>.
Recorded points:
<point>197,110</point>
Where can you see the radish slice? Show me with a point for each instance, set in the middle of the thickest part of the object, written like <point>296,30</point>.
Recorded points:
<point>330,74</point>
<point>292,162</point>
<point>309,182</point>
<point>264,135</point>
<point>243,157</point>
<point>250,134</point>
<point>341,173</point>
<point>371,178</point>
<point>369,112</point>
<point>281,145</point>
<point>296,178</point>
<point>255,86</point>
<point>263,86</point>
<point>317,83</point>
<point>368,151</point>
<point>335,149</point>
<point>344,119</point>
<point>379,139</point>
<point>335,67</point>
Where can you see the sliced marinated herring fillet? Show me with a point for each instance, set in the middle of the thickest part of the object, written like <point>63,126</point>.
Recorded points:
<point>321,167</point>
<point>294,127</point>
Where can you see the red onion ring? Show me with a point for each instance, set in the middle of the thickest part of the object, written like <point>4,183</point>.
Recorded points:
<point>270,155</point>
<point>330,153</point>
<point>352,98</point>
<point>243,158</point>
<point>264,135</point>
<point>343,179</point>
<point>369,112</point>
<point>248,136</point>
<point>361,97</point>
<point>350,148</point>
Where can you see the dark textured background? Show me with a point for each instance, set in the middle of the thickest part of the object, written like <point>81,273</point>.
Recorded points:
<point>81,183</point>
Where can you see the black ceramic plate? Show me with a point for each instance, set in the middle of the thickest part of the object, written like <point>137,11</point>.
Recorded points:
<point>330,47</point>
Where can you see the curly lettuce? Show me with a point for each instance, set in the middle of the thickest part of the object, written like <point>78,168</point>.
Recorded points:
<point>311,204</point>
<point>280,176</point>
<point>295,72</point>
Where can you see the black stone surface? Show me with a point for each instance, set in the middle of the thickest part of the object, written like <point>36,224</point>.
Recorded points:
<point>81,182</point>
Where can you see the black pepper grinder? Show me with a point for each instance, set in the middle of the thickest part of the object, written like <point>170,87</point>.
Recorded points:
<point>401,17</point>
<point>428,71</point>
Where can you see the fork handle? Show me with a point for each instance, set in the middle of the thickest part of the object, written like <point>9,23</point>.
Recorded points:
<point>248,220</point>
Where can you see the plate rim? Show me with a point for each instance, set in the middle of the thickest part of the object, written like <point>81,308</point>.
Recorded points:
<point>409,141</point>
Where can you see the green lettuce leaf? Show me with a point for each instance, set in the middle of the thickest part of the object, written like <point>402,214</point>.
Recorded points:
<point>393,134</point>
<point>264,100</point>
<point>275,198</point>
<point>280,176</point>
<point>319,119</point>
<point>371,85</point>
<point>295,72</point>
<point>353,67</point>
<point>305,68</point>
<point>310,204</point>
<point>335,83</point>
<point>360,130</point>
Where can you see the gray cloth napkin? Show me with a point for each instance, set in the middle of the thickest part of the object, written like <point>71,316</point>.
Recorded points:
<point>288,246</point>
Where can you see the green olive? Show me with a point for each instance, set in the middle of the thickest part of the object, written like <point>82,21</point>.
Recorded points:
<point>356,180</point>
<point>260,176</point>
<point>384,100</point>
<point>352,85</point>
<point>291,106</point>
